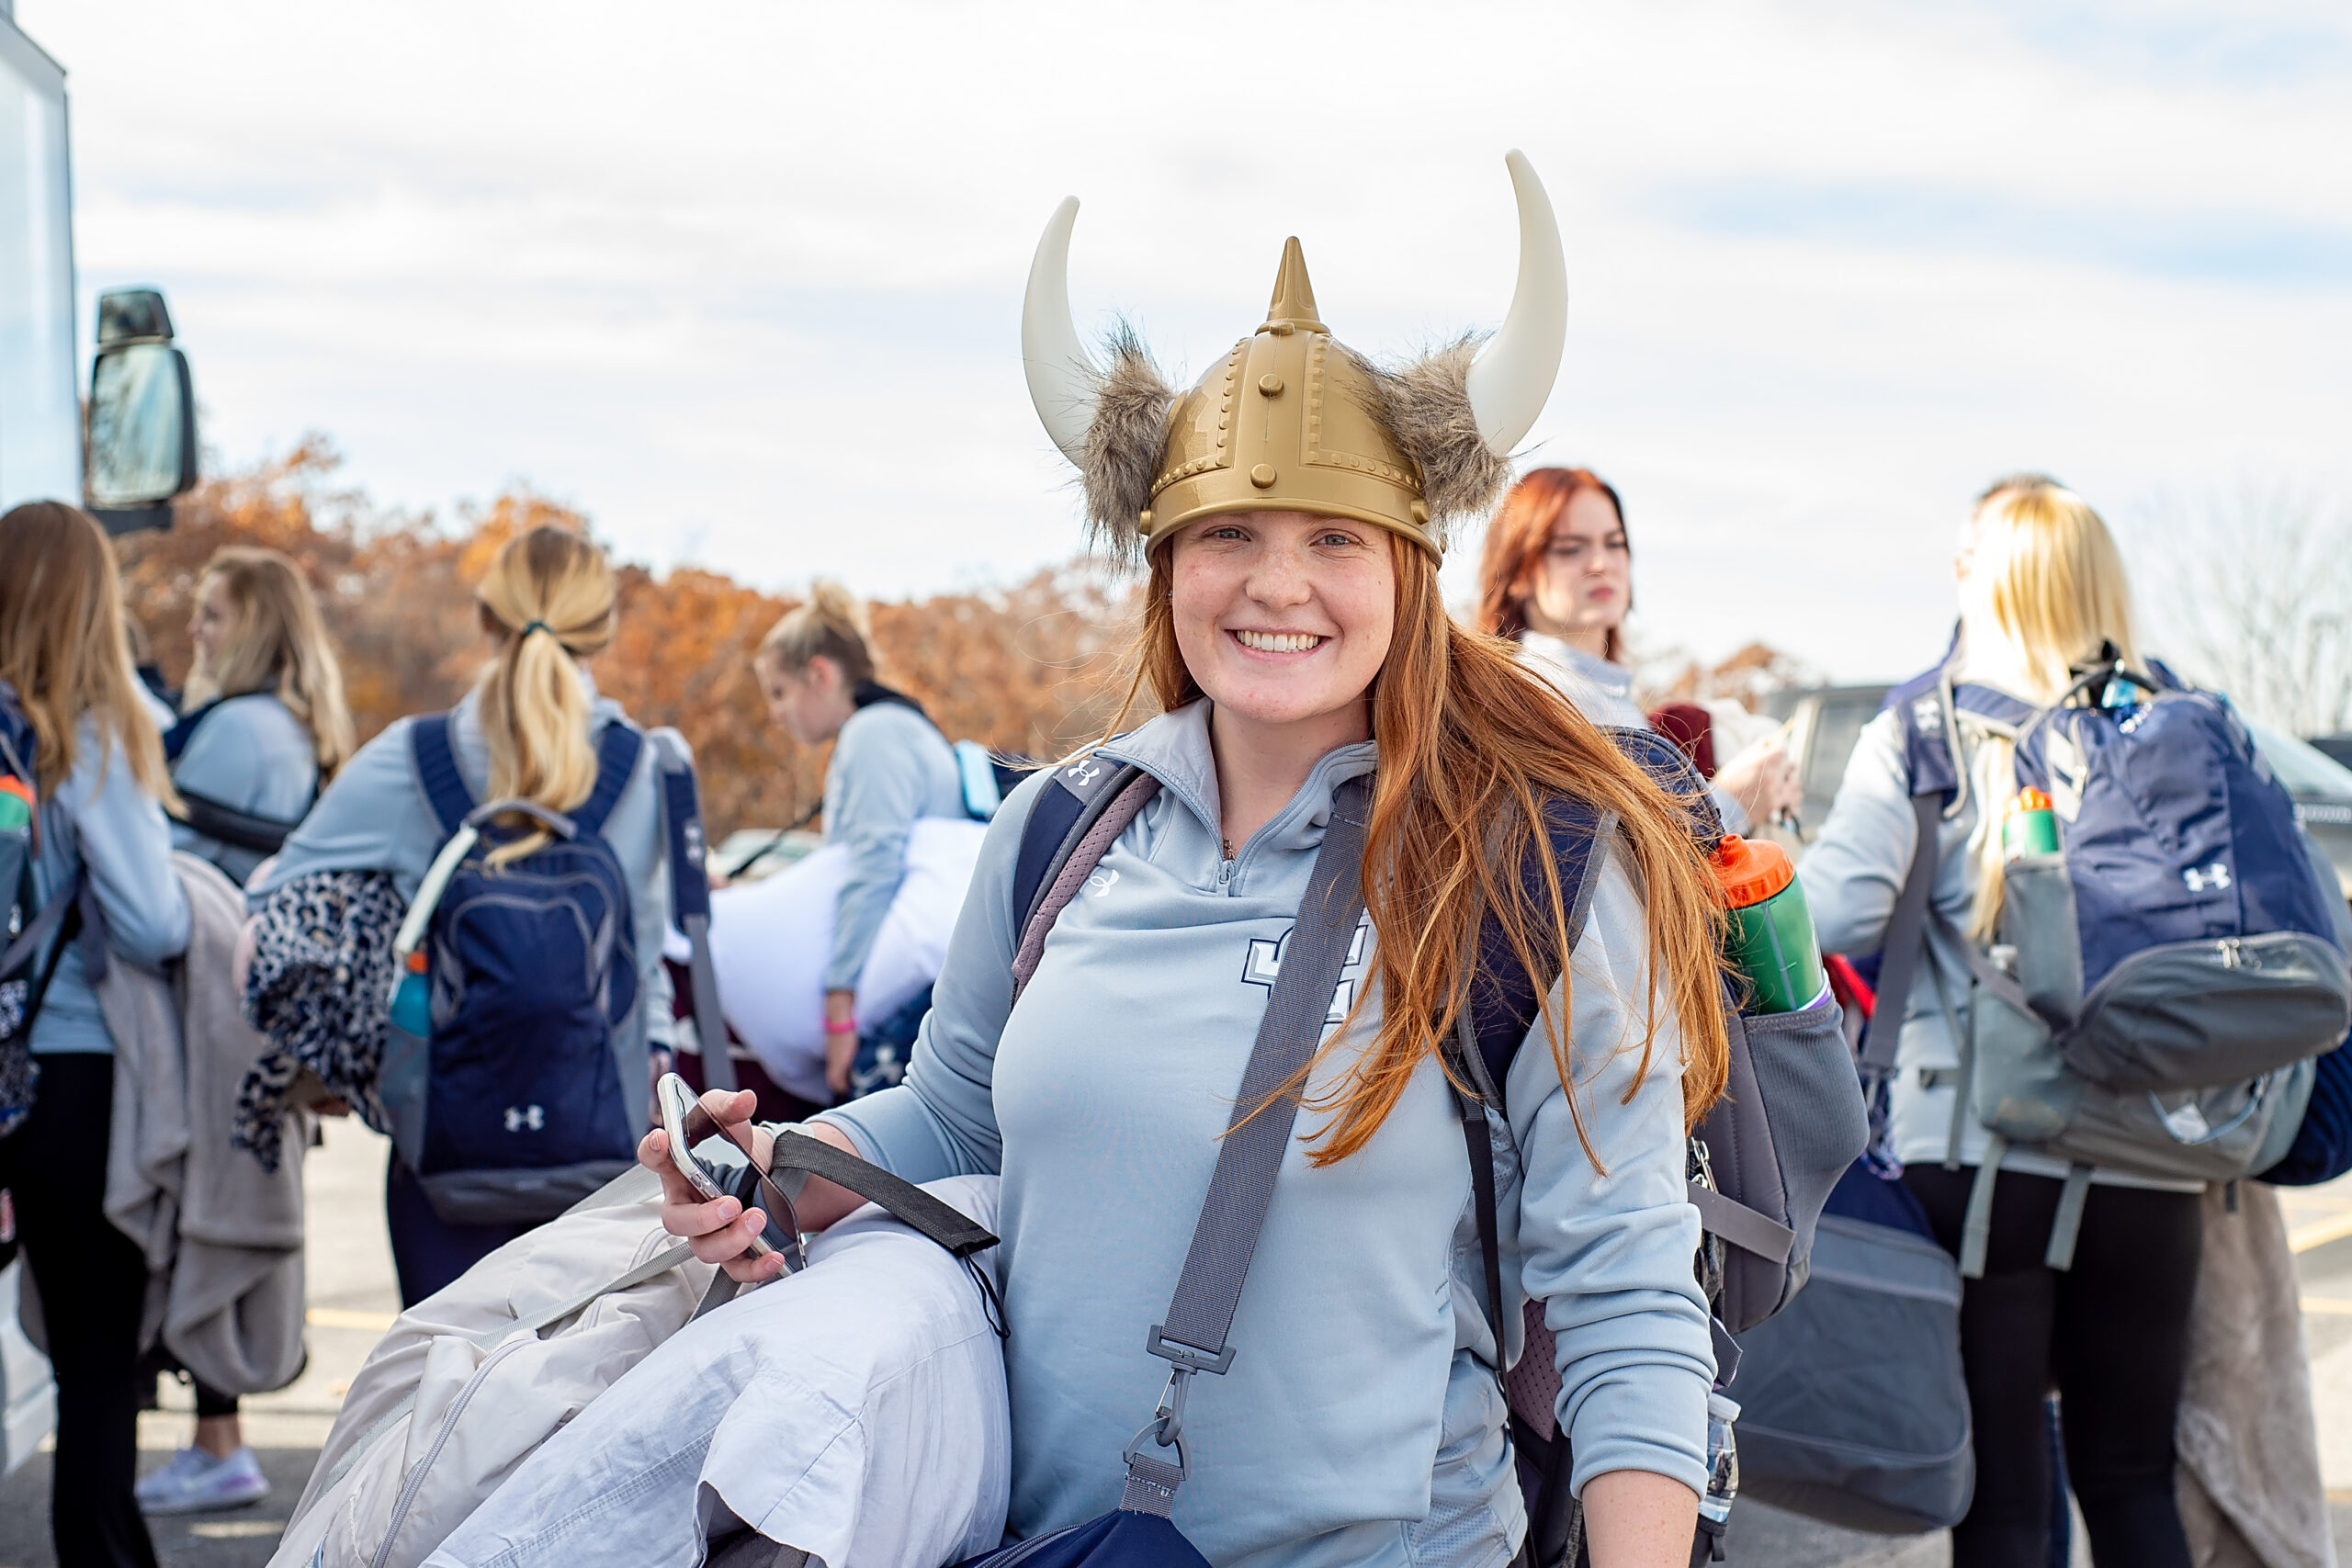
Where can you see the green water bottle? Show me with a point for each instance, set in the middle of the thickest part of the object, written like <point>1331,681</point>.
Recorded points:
<point>2029,826</point>
<point>1771,938</point>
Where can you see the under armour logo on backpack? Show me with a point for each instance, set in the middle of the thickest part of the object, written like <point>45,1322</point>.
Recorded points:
<point>2198,878</point>
<point>1085,772</point>
<point>530,1116</point>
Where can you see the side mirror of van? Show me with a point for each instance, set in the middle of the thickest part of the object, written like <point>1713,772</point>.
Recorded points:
<point>143,415</point>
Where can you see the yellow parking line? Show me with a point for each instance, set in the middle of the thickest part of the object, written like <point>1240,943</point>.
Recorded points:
<point>2319,1233</point>
<point>340,1317</point>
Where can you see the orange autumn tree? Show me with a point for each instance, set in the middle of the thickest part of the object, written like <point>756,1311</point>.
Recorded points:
<point>1033,669</point>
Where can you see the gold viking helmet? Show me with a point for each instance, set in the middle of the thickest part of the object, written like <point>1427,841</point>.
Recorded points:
<point>1293,420</point>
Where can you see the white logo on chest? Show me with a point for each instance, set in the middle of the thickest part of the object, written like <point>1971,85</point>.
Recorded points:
<point>530,1117</point>
<point>1263,966</point>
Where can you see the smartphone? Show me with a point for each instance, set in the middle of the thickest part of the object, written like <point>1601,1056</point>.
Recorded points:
<point>688,1126</point>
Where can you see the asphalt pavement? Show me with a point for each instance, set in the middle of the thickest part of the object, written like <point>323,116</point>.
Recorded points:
<point>353,1298</point>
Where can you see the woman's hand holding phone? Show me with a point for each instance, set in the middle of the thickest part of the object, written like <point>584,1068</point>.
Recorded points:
<point>720,1228</point>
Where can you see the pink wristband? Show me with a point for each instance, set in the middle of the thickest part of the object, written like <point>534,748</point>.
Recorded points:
<point>832,1027</point>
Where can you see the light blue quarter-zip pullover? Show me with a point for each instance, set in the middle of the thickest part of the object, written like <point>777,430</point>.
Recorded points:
<point>100,821</point>
<point>1360,1422</point>
<point>250,754</point>
<point>890,765</point>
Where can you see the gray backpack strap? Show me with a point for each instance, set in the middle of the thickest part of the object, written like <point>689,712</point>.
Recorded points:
<point>1102,820</point>
<point>1193,1339</point>
<point>1906,934</point>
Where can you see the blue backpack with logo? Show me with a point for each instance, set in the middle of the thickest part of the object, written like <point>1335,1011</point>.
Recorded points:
<point>2158,989</point>
<point>505,1071</point>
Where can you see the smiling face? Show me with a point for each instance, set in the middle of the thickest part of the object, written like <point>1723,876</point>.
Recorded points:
<point>1285,619</point>
<point>1584,581</point>
<point>811,704</point>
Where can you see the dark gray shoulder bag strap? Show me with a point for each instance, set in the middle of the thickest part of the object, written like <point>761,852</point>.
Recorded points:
<point>1200,1313</point>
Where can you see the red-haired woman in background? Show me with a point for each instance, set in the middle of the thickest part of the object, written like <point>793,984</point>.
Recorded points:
<point>1557,577</point>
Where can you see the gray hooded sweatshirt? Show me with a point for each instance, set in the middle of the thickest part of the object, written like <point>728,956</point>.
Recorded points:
<point>1361,1423</point>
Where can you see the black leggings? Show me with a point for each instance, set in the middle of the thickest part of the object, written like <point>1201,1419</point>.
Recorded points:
<point>2111,1334</point>
<point>92,1281</point>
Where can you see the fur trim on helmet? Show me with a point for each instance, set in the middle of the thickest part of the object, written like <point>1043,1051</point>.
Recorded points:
<point>1425,403</point>
<point>1124,443</point>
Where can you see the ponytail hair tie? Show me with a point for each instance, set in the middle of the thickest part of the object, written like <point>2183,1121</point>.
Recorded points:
<point>535,627</point>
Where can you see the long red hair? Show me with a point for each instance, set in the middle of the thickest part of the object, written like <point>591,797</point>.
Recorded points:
<point>1516,540</point>
<point>1469,740</point>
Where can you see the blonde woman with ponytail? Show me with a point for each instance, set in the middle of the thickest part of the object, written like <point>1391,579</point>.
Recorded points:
<point>2042,591</point>
<point>263,722</point>
<point>529,730</point>
<point>890,767</point>
<point>98,771</point>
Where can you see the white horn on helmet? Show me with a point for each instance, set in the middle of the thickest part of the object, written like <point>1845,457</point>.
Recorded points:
<point>1512,378</point>
<point>1062,376</point>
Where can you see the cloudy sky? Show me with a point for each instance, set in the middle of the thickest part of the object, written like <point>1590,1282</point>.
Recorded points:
<point>743,280</point>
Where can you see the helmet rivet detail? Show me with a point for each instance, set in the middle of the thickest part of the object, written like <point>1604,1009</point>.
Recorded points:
<point>1143,521</point>
<point>1271,385</point>
<point>1421,511</point>
<point>1262,476</point>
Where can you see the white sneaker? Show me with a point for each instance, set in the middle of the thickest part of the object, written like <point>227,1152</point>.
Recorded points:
<point>194,1480</point>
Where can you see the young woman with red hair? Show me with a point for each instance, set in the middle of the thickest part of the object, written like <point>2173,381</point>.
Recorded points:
<point>1557,577</point>
<point>1291,509</point>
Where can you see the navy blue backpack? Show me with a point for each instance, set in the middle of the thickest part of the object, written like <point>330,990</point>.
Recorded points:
<point>515,1103</point>
<point>2159,989</point>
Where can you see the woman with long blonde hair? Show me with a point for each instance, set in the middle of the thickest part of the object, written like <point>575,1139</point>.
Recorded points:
<point>1292,507</point>
<point>531,729</point>
<point>2042,592</point>
<point>263,721</point>
<point>105,852</point>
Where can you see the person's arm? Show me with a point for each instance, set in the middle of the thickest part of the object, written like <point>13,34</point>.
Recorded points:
<point>1609,1250</point>
<point>940,1121</point>
<point>1854,872</point>
<point>126,847</point>
<point>373,817</point>
<point>879,795</point>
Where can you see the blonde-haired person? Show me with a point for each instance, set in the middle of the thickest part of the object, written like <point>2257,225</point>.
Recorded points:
<point>528,730</point>
<point>1297,640</point>
<point>2042,589</point>
<point>98,764</point>
<point>890,767</point>
<point>263,722</point>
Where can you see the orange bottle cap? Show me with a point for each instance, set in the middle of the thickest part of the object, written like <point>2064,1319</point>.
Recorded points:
<point>416,962</point>
<point>1750,871</point>
<point>2029,800</point>
<point>18,788</point>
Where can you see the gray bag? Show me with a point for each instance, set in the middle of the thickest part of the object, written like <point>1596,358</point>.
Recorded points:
<point>1853,1409</point>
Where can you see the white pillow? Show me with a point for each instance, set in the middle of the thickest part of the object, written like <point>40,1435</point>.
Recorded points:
<point>770,942</point>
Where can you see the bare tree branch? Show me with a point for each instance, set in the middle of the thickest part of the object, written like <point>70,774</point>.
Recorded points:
<point>2253,593</point>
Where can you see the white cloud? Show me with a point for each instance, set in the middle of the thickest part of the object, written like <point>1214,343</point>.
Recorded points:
<point>748,275</point>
